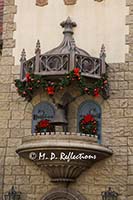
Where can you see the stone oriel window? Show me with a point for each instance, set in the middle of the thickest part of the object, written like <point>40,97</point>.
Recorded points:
<point>90,108</point>
<point>1,24</point>
<point>42,111</point>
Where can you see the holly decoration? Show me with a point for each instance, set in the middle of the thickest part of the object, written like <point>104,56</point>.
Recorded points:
<point>88,125</point>
<point>32,82</point>
<point>43,125</point>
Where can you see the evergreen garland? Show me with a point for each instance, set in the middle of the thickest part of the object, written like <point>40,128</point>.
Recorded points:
<point>32,82</point>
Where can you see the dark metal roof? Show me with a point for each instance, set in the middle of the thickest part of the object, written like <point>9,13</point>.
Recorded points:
<point>68,44</point>
<point>64,58</point>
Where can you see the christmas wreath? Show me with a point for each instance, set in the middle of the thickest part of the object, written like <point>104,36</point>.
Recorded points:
<point>32,82</point>
<point>43,126</point>
<point>88,125</point>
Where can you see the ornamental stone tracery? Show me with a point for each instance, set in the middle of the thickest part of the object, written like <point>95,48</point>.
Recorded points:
<point>67,2</point>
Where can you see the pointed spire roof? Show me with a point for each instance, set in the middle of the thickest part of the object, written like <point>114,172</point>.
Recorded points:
<point>68,44</point>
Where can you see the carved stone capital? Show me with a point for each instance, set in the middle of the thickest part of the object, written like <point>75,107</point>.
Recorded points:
<point>41,2</point>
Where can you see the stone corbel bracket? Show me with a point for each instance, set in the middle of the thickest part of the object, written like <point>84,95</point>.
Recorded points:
<point>98,0</point>
<point>41,2</point>
<point>67,2</point>
<point>68,167</point>
<point>70,2</point>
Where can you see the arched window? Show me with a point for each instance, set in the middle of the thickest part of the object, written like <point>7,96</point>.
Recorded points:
<point>89,119</point>
<point>42,111</point>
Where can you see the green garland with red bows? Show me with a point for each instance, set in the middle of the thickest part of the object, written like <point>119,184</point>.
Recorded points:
<point>88,125</point>
<point>32,82</point>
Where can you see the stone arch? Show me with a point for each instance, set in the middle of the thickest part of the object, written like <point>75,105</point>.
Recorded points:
<point>63,194</point>
<point>90,107</point>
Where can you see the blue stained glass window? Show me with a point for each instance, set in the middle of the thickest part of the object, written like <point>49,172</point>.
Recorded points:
<point>90,107</point>
<point>41,111</point>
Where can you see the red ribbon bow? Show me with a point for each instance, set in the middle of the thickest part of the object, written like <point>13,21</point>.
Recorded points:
<point>28,78</point>
<point>50,90</point>
<point>96,92</point>
<point>76,71</point>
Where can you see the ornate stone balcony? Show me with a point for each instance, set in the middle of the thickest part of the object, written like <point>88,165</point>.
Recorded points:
<point>63,155</point>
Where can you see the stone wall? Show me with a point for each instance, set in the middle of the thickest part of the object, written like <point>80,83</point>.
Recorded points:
<point>6,79</point>
<point>117,127</point>
<point>129,77</point>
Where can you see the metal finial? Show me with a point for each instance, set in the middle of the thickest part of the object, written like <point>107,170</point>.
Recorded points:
<point>102,57</point>
<point>38,44</point>
<point>12,195</point>
<point>102,53</point>
<point>38,47</point>
<point>109,195</point>
<point>23,55</point>
<point>12,191</point>
<point>68,25</point>
<point>22,61</point>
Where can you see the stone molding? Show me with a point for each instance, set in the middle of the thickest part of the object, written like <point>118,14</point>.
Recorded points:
<point>64,193</point>
<point>67,2</point>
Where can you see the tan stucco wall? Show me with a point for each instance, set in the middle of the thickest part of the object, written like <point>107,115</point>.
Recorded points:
<point>97,23</point>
